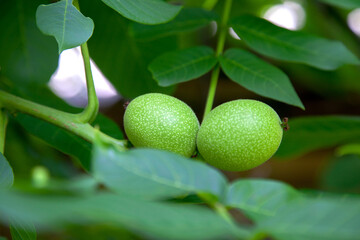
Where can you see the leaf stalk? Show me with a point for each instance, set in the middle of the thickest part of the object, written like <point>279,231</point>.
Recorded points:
<point>91,110</point>
<point>223,29</point>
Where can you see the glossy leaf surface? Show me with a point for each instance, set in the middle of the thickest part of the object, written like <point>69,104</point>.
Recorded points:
<point>279,43</point>
<point>182,65</point>
<point>259,76</point>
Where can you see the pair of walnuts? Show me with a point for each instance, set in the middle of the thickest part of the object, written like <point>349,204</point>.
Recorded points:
<point>235,136</point>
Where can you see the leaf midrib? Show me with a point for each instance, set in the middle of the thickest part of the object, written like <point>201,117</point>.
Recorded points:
<point>256,74</point>
<point>279,42</point>
<point>64,24</point>
<point>185,65</point>
<point>157,179</point>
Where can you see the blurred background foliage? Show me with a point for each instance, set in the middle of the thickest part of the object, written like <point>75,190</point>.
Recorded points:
<point>123,59</point>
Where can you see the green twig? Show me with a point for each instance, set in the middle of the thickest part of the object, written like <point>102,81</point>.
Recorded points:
<point>223,29</point>
<point>90,112</point>
<point>3,124</point>
<point>61,119</point>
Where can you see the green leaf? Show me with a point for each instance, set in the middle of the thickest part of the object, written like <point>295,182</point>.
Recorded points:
<point>189,19</point>
<point>347,4</point>
<point>63,21</point>
<point>6,173</point>
<point>145,11</point>
<point>259,198</point>
<point>342,174</point>
<point>182,65</point>
<point>59,138</point>
<point>150,219</point>
<point>151,173</point>
<point>21,230</point>
<point>259,76</point>
<point>123,60</point>
<point>279,43</point>
<point>27,57</point>
<point>315,219</point>
<point>310,133</point>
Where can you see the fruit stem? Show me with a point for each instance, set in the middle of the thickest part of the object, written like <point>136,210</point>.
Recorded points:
<point>219,50</point>
<point>3,124</point>
<point>67,121</point>
<point>90,112</point>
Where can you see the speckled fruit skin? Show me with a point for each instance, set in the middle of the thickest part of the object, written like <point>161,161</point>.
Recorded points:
<point>239,135</point>
<point>160,121</point>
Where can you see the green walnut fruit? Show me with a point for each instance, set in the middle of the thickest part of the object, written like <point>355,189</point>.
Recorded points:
<point>160,121</point>
<point>239,135</point>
